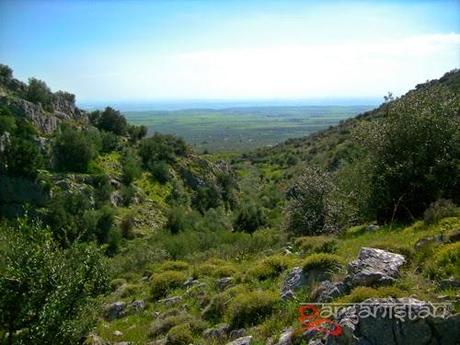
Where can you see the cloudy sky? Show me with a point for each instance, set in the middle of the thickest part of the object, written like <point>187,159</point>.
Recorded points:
<point>169,50</point>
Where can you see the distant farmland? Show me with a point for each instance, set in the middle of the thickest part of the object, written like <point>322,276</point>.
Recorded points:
<point>242,129</point>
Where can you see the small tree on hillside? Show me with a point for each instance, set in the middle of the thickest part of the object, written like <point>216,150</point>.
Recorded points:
<point>413,155</point>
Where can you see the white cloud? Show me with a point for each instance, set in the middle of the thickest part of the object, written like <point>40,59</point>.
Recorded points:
<point>284,71</point>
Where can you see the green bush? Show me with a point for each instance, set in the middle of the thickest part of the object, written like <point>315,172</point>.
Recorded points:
<point>160,171</point>
<point>438,210</point>
<point>47,292</point>
<point>445,263</point>
<point>6,71</point>
<point>112,120</point>
<point>413,154</point>
<point>39,93</point>
<point>73,150</point>
<point>109,142</point>
<point>173,265</point>
<point>314,207</point>
<point>251,308</point>
<point>316,244</point>
<point>249,217</point>
<point>322,262</point>
<point>161,148</point>
<point>165,281</point>
<point>269,267</point>
<point>131,166</point>
<point>179,335</point>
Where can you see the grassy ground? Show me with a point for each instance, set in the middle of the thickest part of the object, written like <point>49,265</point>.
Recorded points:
<point>258,265</point>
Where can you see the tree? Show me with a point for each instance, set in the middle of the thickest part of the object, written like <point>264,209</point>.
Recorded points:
<point>6,71</point>
<point>161,147</point>
<point>413,155</point>
<point>111,120</point>
<point>39,93</point>
<point>249,217</point>
<point>72,150</point>
<point>314,207</point>
<point>46,292</point>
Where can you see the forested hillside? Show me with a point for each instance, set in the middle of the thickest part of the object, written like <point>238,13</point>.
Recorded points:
<point>111,237</point>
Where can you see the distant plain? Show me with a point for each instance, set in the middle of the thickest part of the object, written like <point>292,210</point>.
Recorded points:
<point>243,128</point>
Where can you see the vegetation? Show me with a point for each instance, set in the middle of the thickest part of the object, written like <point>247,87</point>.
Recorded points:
<point>201,240</point>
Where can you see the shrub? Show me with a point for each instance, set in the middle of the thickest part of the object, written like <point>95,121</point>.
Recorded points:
<point>136,133</point>
<point>361,293</point>
<point>438,210</point>
<point>323,262</point>
<point>39,93</point>
<point>131,166</point>
<point>179,335</point>
<point>313,206</point>
<point>6,71</point>
<point>178,220</point>
<point>173,265</point>
<point>45,291</point>
<point>251,308</point>
<point>413,154</point>
<point>316,244</point>
<point>72,151</point>
<point>161,148</point>
<point>445,263</point>
<point>23,158</point>
<point>109,142</point>
<point>269,267</point>
<point>160,171</point>
<point>127,224</point>
<point>165,281</point>
<point>111,120</point>
<point>249,217</point>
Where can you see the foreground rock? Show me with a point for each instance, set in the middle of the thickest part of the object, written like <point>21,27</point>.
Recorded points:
<point>409,324</point>
<point>242,341</point>
<point>295,279</point>
<point>375,267</point>
<point>115,311</point>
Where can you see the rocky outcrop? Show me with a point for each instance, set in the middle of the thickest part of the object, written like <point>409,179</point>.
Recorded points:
<point>295,279</point>
<point>46,122</point>
<point>375,267</point>
<point>398,322</point>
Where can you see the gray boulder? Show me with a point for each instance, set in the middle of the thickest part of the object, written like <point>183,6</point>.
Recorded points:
<point>115,311</point>
<point>218,332</point>
<point>375,267</point>
<point>408,325</point>
<point>242,341</point>
<point>223,283</point>
<point>286,337</point>
<point>138,305</point>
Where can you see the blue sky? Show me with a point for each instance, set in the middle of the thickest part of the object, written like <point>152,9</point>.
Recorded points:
<point>161,50</point>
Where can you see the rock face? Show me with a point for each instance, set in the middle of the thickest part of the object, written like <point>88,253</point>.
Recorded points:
<point>294,280</point>
<point>413,329</point>
<point>45,121</point>
<point>375,267</point>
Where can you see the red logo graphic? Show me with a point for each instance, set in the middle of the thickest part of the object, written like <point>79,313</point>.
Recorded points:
<point>311,320</point>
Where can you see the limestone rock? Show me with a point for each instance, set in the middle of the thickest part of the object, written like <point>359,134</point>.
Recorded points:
<point>375,267</point>
<point>242,341</point>
<point>295,279</point>
<point>115,310</point>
